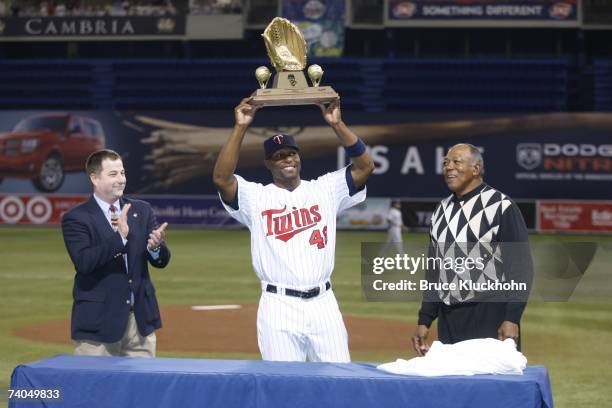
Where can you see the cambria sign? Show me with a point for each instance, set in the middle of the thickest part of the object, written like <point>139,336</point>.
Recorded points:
<point>52,27</point>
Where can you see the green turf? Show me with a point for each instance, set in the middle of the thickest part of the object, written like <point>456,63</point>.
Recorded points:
<point>572,339</point>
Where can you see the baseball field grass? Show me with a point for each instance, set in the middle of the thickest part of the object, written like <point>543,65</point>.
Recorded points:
<point>572,339</point>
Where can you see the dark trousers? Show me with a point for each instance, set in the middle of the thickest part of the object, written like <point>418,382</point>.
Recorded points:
<point>470,321</point>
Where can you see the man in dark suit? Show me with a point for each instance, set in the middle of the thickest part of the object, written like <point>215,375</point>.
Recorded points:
<point>110,239</point>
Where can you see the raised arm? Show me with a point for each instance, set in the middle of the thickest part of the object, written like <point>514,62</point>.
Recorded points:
<point>223,174</point>
<point>362,162</point>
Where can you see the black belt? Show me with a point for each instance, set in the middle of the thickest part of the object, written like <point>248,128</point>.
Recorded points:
<point>314,292</point>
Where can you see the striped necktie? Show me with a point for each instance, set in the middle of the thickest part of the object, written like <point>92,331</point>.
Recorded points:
<point>114,217</point>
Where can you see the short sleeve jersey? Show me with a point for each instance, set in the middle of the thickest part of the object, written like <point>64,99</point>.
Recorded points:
<point>293,233</point>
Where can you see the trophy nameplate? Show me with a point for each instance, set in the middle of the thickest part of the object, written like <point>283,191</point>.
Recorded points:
<point>287,51</point>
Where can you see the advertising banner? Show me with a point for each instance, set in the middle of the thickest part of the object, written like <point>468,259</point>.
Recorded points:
<point>371,215</point>
<point>321,22</point>
<point>207,211</point>
<point>547,156</point>
<point>100,27</point>
<point>48,209</point>
<point>475,10</point>
<point>36,209</point>
<point>575,216</point>
<point>202,211</point>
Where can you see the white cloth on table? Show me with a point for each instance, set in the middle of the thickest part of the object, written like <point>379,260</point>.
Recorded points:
<point>469,357</point>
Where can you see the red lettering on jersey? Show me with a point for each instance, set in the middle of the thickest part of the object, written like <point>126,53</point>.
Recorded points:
<point>284,225</point>
<point>305,216</point>
<point>296,217</point>
<point>286,237</point>
<point>317,239</point>
<point>314,210</point>
<point>269,214</point>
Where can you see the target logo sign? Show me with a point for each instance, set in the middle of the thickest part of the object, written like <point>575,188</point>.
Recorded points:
<point>37,209</point>
<point>11,209</point>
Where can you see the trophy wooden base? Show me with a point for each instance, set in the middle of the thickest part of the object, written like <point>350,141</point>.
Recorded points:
<point>283,97</point>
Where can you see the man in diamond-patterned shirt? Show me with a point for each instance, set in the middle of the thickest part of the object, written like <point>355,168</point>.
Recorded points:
<point>476,220</point>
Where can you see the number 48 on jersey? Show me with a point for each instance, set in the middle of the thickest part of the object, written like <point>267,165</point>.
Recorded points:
<point>318,239</point>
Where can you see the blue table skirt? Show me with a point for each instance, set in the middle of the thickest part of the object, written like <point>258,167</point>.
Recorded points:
<point>168,382</point>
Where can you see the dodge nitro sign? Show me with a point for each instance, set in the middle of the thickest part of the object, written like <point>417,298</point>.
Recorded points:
<point>564,161</point>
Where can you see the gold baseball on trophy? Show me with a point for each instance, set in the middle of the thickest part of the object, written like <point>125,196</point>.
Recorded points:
<point>263,75</point>
<point>315,72</point>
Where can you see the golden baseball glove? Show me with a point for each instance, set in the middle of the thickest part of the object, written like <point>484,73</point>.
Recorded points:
<point>286,45</point>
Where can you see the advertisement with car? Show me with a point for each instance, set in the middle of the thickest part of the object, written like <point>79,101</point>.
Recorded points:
<point>560,156</point>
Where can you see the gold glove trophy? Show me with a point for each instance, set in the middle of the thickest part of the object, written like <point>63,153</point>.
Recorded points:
<point>287,51</point>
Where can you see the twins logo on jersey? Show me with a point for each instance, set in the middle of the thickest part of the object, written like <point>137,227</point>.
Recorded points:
<point>284,224</point>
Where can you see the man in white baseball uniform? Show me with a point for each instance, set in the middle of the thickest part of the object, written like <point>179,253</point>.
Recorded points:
<point>396,227</point>
<point>293,236</point>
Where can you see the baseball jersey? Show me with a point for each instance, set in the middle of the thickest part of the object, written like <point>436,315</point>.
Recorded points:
<point>394,217</point>
<point>293,233</point>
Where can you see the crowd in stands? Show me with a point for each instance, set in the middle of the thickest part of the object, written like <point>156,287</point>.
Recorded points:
<point>211,7</point>
<point>84,8</point>
<point>101,8</point>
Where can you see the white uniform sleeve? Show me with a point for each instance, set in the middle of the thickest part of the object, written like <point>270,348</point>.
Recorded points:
<point>390,219</point>
<point>337,184</point>
<point>248,193</point>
